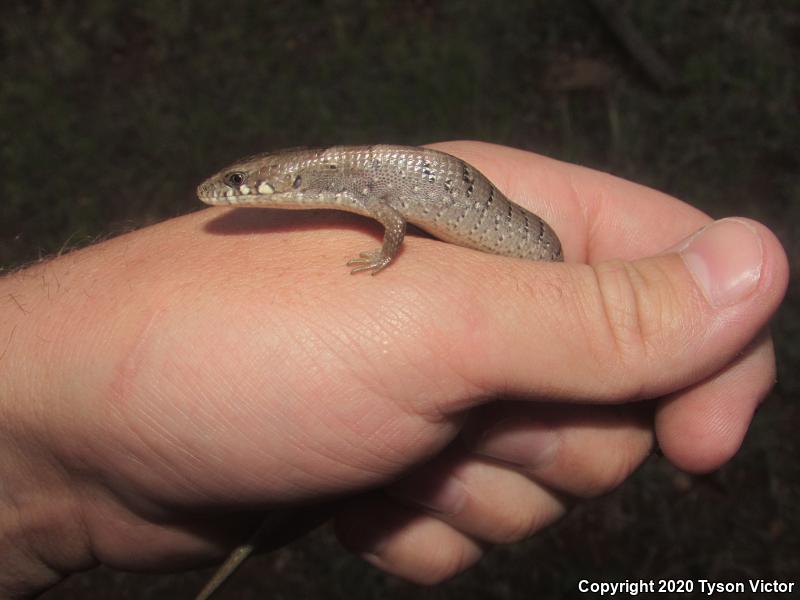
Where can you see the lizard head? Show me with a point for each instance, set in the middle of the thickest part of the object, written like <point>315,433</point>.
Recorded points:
<point>257,178</point>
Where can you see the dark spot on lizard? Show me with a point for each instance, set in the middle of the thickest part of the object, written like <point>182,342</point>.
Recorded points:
<point>469,179</point>
<point>466,173</point>
<point>427,171</point>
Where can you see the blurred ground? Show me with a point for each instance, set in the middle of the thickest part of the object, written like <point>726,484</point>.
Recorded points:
<point>110,113</point>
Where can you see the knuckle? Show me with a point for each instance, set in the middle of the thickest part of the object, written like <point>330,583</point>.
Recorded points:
<point>617,284</point>
<point>637,307</point>
<point>516,527</point>
<point>447,562</point>
<point>598,483</point>
<point>600,477</point>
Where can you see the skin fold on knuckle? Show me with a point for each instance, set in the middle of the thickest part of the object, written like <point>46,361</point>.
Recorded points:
<point>447,552</point>
<point>642,314</point>
<point>513,527</point>
<point>508,506</point>
<point>599,448</point>
<point>405,541</point>
<point>600,478</point>
<point>508,516</point>
<point>446,562</point>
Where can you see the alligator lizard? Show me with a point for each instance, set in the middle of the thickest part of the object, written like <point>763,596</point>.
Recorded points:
<point>394,185</point>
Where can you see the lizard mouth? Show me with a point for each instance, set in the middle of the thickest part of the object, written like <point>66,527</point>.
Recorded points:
<point>213,195</point>
<point>236,199</point>
<point>210,198</point>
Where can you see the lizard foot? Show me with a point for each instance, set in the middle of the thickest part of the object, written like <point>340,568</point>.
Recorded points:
<point>374,261</point>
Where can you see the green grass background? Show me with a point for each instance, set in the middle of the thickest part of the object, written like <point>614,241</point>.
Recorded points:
<point>111,112</point>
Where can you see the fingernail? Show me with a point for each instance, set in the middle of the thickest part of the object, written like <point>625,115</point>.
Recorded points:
<point>725,261</point>
<point>443,495</point>
<point>522,442</point>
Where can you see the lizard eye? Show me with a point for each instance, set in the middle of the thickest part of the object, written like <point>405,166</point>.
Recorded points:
<point>234,179</point>
<point>297,181</point>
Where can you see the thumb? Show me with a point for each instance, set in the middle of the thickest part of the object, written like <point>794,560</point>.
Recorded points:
<point>620,330</point>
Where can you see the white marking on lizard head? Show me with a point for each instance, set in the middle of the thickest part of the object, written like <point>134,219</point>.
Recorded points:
<point>284,176</point>
<point>265,188</point>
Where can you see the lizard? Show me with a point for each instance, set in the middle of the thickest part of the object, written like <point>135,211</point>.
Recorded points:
<point>395,185</point>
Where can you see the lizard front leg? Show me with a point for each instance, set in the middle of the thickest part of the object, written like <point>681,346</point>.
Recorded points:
<point>395,230</point>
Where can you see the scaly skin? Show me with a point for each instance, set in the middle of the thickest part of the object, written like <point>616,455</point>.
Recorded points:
<point>394,185</point>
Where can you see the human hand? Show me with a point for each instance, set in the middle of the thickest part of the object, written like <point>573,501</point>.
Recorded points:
<point>192,366</point>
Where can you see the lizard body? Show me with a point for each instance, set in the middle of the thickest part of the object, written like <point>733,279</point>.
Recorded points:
<point>395,185</point>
